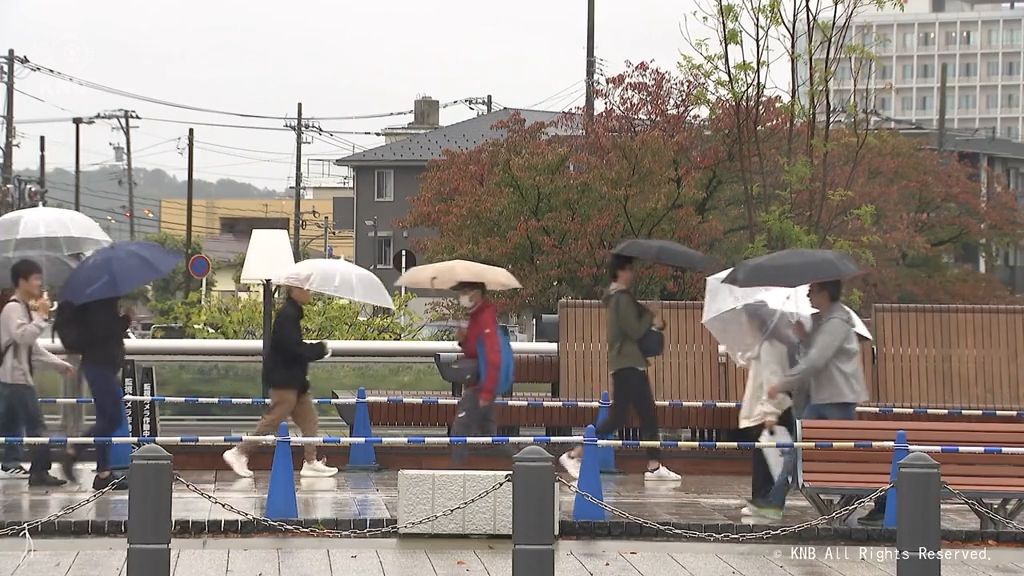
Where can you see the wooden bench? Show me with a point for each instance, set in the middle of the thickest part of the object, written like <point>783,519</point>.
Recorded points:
<point>832,479</point>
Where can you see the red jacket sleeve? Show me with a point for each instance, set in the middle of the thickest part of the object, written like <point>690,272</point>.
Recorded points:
<point>492,355</point>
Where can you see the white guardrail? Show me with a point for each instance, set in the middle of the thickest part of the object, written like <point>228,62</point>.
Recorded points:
<point>339,348</point>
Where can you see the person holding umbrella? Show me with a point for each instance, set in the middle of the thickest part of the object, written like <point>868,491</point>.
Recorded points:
<point>286,367</point>
<point>22,320</point>
<point>90,322</point>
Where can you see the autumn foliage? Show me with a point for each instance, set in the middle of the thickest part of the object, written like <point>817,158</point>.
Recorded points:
<point>660,161</point>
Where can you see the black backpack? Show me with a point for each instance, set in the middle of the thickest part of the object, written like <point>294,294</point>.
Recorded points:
<point>69,326</point>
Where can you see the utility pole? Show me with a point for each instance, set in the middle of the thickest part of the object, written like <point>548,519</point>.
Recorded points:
<point>490,104</point>
<point>327,232</point>
<point>42,162</point>
<point>78,160</point>
<point>188,208</point>
<point>298,183</point>
<point>131,180</point>
<point>591,62</point>
<point>8,169</point>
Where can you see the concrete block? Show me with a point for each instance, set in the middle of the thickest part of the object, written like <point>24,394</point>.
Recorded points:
<point>425,492</point>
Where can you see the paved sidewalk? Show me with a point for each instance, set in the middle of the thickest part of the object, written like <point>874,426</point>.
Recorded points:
<point>432,557</point>
<point>374,496</point>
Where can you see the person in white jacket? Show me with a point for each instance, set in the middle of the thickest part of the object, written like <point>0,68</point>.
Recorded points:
<point>766,363</point>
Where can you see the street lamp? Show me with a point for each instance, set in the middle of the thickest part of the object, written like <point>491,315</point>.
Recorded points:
<point>376,248</point>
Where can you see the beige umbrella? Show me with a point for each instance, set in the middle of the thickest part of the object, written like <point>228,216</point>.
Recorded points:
<point>445,275</point>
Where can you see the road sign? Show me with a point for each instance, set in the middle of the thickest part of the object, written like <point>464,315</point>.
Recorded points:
<point>403,260</point>
<point>199,266</point>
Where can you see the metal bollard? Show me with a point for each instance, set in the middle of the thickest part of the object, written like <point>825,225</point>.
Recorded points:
<point>149,512</point>
<point>919,532</point>
<point>533,513</point>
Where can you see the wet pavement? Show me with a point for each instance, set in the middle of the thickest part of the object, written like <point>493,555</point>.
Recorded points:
<point>436,557</point>
<point>374,496</point>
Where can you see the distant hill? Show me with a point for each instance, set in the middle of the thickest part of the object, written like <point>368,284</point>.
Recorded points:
<point>105,192</point>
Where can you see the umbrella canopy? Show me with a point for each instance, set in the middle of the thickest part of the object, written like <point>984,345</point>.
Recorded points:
<point>118,270</point>
<point>45,230</point>
<point>740,318</point>
<point>445,275</point>
<point>792,268</point>
<point>337,278</point>
<point>56,267</point>
<point>663,252</point>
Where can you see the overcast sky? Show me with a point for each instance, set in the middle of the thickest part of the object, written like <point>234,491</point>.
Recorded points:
<point>338,58</point>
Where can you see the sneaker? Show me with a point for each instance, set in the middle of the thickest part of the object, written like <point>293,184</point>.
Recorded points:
<point>746,511</point>
<point>238,462</point>
<point>662,474</point>
<point>766,511</point>
<point>873,519</point>
<point>46,480</point>
<point>571,465</point>
<point>99,483</point>
<point>317,469</point>
<point>13,473</point>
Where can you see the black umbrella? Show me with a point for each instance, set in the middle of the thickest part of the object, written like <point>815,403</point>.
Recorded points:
<point>793,268</point>
<point>663,252</point>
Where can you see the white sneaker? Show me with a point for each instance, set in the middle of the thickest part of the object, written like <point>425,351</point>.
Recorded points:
<point>571,465</point>
<point>238,462</point>
<point>318,469</point>
<point>746,511</point>
<point>662,474</point>
<point>16,473</point>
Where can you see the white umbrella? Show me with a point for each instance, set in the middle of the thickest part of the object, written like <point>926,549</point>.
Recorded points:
<point>338,278</point>
<point>446,275</point>
<point>56,267</point>
<point>45,230</point>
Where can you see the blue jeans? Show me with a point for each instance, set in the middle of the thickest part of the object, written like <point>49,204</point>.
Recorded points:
<point>838,411</point>
<point>108,400</point>
<point>12,454</point>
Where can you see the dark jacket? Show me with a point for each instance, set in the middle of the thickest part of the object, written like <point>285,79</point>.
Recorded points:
<point>483,328</point>
<point>287,364</point>
<point>105,327</point>
<point>628,321</point>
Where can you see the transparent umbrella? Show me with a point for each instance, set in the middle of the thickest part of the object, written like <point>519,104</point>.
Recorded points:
<point>338,278</point>
<point>56,267</point>
<point>45,230</point>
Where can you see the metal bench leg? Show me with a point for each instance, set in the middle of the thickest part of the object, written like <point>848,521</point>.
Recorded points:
<point>1014,510</point>
<point>821,506</point>
<point>985,523</point>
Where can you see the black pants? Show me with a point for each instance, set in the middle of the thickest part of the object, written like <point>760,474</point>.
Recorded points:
<point>471,419</point>
<point>21,412</point>
<point>631,388</point>
<point>761,479</point>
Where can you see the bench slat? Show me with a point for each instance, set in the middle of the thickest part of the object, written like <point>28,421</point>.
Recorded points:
<point>990,471</point>
<point>910,426</point>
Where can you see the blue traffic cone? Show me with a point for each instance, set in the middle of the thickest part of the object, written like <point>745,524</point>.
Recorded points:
<point>899,452</point>
<point>589,481</point>
<point>606,454</point>
<point>281,502</point>
<point>120,454</point>
<point>361,456</point>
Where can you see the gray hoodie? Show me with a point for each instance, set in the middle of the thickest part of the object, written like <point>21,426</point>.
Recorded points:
<point>831,366</point>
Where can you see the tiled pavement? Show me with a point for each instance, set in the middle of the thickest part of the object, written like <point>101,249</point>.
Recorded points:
<point>366,496</point>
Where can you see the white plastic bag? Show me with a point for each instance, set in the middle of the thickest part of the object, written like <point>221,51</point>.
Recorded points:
<point>773,456</point>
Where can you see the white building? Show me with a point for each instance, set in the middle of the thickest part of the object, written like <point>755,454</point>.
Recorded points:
<point>979,43</point>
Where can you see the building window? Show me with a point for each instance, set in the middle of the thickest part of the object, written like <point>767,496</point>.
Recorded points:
<point>969,70</point>
<point>884,42</point>
<point>966,38</point>
<point>925,39</point>
<point>907,103</point>
<point>1012,68</point>
<point>927,71</point>
<point>385,250</point>
<point>1011,101</point>
<point>908,72</point>
<point>1011,37</point>
<point>968,101</point>
<point>991,101</point>
<point>884,72</point>
<point>951,38</point>
<point>993,37</point>
<point>925,103</point>
<point>992,69</point>
<point>882,104</point>
<point>908,40</point>
<point>384,185</point>
<point>1010,131</point>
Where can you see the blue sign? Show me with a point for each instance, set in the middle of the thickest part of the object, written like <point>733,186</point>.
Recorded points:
<point>199,266</point>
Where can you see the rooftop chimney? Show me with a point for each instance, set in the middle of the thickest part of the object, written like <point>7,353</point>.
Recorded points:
<point>426,113</point>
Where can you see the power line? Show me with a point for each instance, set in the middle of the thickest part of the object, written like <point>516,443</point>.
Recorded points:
<point>37,98</point>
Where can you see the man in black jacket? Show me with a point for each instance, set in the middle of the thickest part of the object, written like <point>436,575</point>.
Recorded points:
<point>285,372</point>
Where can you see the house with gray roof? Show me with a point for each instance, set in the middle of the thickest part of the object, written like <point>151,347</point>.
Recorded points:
<point>387,176</point>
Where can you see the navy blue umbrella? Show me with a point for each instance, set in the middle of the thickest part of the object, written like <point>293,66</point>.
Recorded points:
<point>118,270</point>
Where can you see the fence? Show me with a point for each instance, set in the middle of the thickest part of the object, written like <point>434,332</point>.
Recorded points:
<point>963,356</point>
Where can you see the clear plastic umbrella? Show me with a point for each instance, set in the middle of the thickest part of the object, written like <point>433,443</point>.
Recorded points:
<point>338,278</point>
<point>45,230</point>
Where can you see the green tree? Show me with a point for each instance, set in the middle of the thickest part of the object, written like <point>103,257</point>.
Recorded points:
<point>166,292</point>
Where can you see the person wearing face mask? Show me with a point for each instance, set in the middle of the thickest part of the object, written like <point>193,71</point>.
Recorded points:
<point>474,416</point>
<point>286,373</point>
